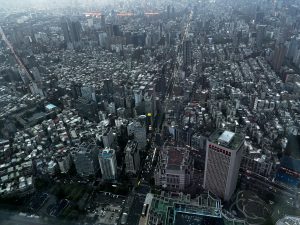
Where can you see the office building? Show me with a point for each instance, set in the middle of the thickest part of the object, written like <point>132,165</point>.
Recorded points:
<point>75,29</point>
<point>174,170</point>
<point>65,29</point>
<point>108,164</point>
<point>260,35</point>
<point>86,108</point>
<point>288,172</point>
<point>187,53</point>
<point>108,87</point>
<point>132,157</point>
<point>102,22</point>
<point>76,90</point>
<point>278,56</point>
<point>103,40</point>
<point>71,30</point>
<point>108,138</point>
<point>85,159</point>
<point>224,151</point>
<point>140,135</point>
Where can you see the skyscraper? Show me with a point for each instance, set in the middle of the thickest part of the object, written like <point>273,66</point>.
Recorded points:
<point>102,22</point>
<point>71,30</point>
<point>85,159</point>
<point>132,157</point>
<point>75,29</point>
<point>293,48</point>
<point>140,135</point>
<point>65,29</point>
<point>224,151</point>
<point>108,87</point>
<point>278,56</point>
<point>187,53</point>
<point>103,40</point>
<point>260,35</point>
<point>108,164</point>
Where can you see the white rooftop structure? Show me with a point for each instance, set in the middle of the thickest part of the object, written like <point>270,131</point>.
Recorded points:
<point>226,137</point>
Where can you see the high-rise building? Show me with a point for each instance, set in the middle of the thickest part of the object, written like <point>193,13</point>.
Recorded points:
<point>187,53</point>
<point>108,87</point>
<point>150,107</point>
<point>132,157</point>
<point>108,164</point>
<point>260,35</point>
<point>138,97</point>
<point>65,29</point>
<point>71,30</point>
<point>168,11</point>
<point>108,138</point>
<point>278,57</point>
<point>86,108</point>
<point>174,170</point>
<point>259,15</point>
<point>102,22</point>
<point>75,29</point>
<point>140,135</point>
<point>76,90</point>
<point>224,151</point>
<point>85,159</point>
<point>103,40</point>
<point>88,93</point>
<point>293,48</point>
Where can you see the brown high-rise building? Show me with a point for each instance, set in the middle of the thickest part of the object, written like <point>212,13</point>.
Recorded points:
<point>278,58</point>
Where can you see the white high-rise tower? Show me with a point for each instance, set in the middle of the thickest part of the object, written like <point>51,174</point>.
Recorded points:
<point>224,151</point>
<point>108,164</point>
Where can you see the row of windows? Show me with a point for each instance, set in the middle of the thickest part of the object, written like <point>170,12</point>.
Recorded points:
<point>172,180</point>
<point>217,149</point>
<point>217,169</point>
<point>172,186</point>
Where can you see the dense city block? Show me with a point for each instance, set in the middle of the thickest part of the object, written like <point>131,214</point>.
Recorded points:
<point>174,112</point>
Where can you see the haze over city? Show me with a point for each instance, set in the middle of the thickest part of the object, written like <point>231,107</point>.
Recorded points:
<point>139,112</point>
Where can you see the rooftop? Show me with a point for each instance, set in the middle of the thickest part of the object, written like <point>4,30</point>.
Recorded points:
<point>191,219</point>
<point>227,139</point>
<point>226,136</point>
<point>50,106</point>
<point>178,211</point>
<point>107,153</point>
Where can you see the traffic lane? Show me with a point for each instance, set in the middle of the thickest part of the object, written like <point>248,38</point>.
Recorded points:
<point>268,185</point>
<point>265,181</point>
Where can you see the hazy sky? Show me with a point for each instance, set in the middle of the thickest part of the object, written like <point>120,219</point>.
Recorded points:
<point>9,4</point>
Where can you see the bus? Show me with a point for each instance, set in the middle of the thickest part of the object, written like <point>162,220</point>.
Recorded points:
<point>145,208</point>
